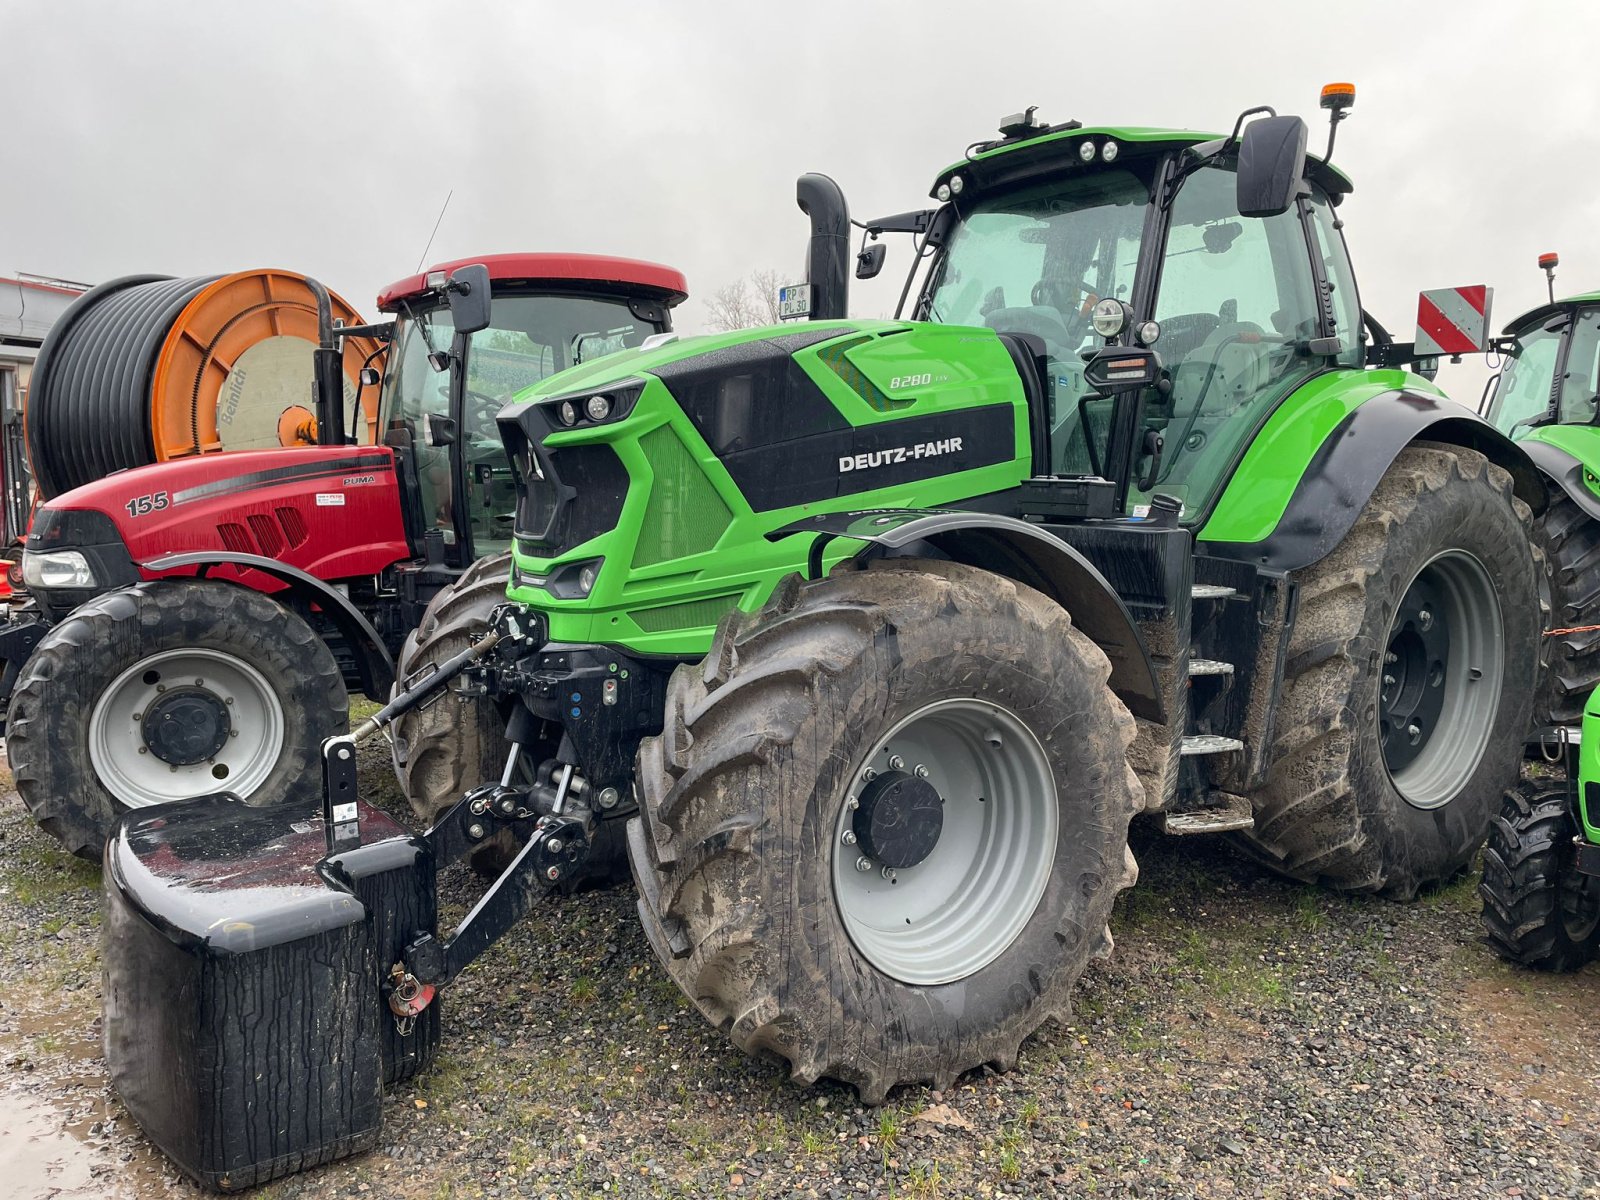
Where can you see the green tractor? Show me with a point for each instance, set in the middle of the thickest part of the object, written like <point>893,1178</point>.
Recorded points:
<point>877,634</point>
<point>1545,396</point>
<point>1541,867</point>
<point>865,640</point>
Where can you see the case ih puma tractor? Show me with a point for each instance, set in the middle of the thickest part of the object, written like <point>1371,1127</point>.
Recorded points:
<point>874,635</point>
<point>196,622</point>
<point>1545,397</point>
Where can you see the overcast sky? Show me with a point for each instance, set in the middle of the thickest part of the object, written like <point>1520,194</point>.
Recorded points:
<point>190,138</point>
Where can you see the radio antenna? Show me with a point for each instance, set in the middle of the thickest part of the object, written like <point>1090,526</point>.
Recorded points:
<point>440,217</point>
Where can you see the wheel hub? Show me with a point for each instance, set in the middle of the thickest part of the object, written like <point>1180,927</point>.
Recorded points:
<point>185,726</point>
<point>1414,674</point>
<point>899,819</point>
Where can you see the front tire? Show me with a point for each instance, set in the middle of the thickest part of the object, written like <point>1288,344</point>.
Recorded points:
<point>750,892</point>
<point>167,690</point>
<point>1572,545</point>
<point>1537,910</point>
<point>1408,682</point>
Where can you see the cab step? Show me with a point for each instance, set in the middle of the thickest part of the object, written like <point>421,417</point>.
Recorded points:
<point>1212,591</point>
<point>1232,817</point>
<point>1209,743</point>
<point>1209,666</point>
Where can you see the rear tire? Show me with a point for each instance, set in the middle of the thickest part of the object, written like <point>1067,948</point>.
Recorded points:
<point>1572,546</point>
<point>1537,910</point>
<point>72,701</point>
<point>1442,523</point>
<point>748,886</point>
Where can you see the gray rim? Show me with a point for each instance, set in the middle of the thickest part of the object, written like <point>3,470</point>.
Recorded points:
<point>1473,672</point>
<point>960,908</point>
<point>241,766</point>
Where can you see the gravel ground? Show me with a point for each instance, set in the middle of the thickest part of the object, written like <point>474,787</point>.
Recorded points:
<point>1249,1037</point>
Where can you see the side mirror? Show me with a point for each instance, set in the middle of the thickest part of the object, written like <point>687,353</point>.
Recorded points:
<point>870,261</point>
<point>469,298</point>
<point>1272,159</point>
<point>441,430</point>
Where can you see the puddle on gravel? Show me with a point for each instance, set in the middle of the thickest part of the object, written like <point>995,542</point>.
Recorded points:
<point>61,1136</point>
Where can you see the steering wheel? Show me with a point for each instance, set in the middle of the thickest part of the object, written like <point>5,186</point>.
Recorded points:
<point>484,408</point>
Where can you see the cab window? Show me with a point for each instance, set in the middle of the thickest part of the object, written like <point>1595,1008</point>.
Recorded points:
<point>1581,380</point>
<point>1522,392</point>
<point>1237,307</point>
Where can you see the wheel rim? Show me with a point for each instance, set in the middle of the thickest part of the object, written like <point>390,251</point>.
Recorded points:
<point>1442,673</point>
<point>141,762</point>
<point>969,896</point>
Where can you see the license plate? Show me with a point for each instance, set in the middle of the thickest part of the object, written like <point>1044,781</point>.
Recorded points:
<point>794,300</point>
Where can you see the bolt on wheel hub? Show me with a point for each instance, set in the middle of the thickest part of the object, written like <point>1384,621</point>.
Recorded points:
<point>186,726</point>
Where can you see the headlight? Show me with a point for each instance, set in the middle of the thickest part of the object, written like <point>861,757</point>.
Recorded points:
<point>56,569</point>
<point>1108,317</point>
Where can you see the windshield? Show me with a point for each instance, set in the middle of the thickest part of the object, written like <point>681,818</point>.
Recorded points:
<point>529,337</point>
<point>1522,394</point>
<point>1036,261</point>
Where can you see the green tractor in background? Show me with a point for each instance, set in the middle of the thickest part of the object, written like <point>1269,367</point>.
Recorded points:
<point>875,635</point>
<point>1544,396</point>
<point>1541,894</point>
<point>1541,867</point>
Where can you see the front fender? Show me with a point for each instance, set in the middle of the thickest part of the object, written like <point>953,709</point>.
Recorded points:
<point>1310,471</point>
<point>374,664</point>
<point>1020,551</point>
<point>1569,457</point>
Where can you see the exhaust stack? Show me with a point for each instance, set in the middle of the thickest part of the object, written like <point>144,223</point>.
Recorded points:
<point>828,254</point>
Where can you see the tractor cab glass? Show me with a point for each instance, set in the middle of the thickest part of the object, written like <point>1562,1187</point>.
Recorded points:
<point>1580,376</point>
<point>528,338</point>
<point>1523,391</point>
<point>1235,300</point>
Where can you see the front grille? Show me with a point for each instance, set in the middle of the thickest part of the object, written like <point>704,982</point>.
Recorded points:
<point>685,515</point>
<point>691,614</point>
<point>235,538</point>
<point>579,496</point>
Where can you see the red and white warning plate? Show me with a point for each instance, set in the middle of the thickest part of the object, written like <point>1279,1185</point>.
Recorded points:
<point>1454,320</point>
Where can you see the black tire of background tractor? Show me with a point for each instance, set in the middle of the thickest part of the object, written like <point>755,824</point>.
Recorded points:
<point>1536,908</point>
<point>1572,547</point>
<point>1329,812</point>
<point>48,723</point>
<point>739,795</point>
<point>459,741</point>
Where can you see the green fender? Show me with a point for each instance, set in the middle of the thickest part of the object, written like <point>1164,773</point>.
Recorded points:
<point>1314,463</point>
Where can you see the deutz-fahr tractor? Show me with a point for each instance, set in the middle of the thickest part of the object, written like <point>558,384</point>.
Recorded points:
<point>196,622</point>
<point>875,635</point>
<point>1541,867</point>
<point>1545,396</point>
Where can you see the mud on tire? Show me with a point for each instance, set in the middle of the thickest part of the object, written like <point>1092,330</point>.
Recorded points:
<point>1537,910</point>
<point>48,728</point>
<point>1331,811</point>
<point>742,795</point>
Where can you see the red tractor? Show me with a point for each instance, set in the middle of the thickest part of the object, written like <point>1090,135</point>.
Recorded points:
<point>195,623</point>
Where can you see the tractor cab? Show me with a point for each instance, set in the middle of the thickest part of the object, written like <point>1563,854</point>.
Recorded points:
<point>1081,238</point>
<point>442,386</point>
<point>1551,372</point>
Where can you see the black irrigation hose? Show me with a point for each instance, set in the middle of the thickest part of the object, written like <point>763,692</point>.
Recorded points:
<point>89,401</point>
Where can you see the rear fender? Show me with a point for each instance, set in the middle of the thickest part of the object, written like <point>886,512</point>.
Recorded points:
<point>374,665</point>
<point>1344,468</point>
<point>1019,551</point>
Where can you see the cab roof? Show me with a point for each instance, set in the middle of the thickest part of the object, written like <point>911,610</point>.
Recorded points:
<point>999,163</point>
<point>1535,315</point>
<point>630,275</point>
